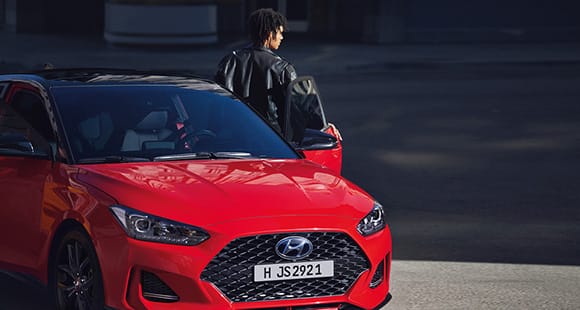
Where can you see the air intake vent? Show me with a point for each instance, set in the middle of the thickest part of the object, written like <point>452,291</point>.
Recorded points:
<point>156,290</point>
<point>378,276</point>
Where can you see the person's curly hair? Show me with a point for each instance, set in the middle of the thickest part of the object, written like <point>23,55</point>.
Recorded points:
<point>262,22</point>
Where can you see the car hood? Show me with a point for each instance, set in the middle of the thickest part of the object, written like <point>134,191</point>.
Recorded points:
<point>204,192</point>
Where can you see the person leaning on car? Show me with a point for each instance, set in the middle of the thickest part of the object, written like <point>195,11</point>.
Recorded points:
<point>255,73</point>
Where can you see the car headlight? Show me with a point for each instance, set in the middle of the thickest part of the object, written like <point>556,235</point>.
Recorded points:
<point>373,222</point>
<point>147,227</point>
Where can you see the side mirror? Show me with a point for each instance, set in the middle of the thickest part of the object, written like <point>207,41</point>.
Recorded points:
<point>16,142</point>
<point>317,140</point>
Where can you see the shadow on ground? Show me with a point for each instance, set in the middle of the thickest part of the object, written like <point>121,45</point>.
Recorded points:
<point>472,166</point>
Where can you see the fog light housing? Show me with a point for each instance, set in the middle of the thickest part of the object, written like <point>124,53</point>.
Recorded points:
<point>154,289</point>
<point>379,275</point>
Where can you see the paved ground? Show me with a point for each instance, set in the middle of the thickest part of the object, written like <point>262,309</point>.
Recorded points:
<point>479,286</point>
<point>478,166</point>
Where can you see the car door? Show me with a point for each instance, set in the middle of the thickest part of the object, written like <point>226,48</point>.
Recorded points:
<point>306,126</point>
<point>25,165</point>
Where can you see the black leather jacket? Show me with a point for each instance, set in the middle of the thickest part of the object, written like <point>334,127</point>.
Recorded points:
<point>259,77</point>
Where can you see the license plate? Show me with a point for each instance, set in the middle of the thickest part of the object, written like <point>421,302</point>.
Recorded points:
<point>291,271</point>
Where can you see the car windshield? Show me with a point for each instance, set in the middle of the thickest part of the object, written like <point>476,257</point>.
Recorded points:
<point>123,123</point>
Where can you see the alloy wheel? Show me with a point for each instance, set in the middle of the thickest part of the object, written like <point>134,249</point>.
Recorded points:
<point>77,278</point>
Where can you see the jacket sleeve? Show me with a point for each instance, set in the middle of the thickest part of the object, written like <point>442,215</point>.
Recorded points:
<point>226,70</point>
<point>285,73</point>
<point>288,75</point>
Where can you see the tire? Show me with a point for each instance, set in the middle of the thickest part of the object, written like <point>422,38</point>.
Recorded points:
<point>75,280</point>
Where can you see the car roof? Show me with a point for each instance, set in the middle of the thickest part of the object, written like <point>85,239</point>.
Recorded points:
<point>112,76</point>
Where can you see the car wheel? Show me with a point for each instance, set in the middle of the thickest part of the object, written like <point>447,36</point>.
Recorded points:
<point>75,275</point>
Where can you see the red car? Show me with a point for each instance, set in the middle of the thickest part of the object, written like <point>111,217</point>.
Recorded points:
<point>140,190</point>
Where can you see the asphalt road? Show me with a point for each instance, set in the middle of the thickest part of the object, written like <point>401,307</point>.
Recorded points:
<point>478,167</point>
<point>475,164</point>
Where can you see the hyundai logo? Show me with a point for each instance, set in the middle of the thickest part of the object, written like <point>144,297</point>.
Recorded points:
<point>294,248</point>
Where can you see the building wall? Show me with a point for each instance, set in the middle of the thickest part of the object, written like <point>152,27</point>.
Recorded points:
<point>2,13</point>
<point>492,20</point>
<point>57,16</point>
<point>374,21</point>
<point>413,21</point>
<point>30,16</point>
<point>74,16</point>
<point>8,15</point>
<point>231,19</point>
<point>341,20</point>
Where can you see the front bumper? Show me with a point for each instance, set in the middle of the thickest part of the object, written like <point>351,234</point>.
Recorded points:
<point>146,275</point>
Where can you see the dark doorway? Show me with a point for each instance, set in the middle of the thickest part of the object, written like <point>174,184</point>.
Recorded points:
<point>75,17</point>
<point>296,11</point>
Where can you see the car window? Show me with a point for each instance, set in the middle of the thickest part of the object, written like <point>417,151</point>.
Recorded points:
<point>29,106</point>
<point>148,121</point>
<point>25,115</point>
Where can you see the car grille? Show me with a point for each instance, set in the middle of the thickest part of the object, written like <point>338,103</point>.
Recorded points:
<point>231,270</point>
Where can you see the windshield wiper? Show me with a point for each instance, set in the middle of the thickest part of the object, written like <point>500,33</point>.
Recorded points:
<point>231,155</point>
<point>204,155</point>
<point>183,156</point>
<point>112,159</point>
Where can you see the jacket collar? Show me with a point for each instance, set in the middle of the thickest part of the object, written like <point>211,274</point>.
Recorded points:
<point>260,48</point>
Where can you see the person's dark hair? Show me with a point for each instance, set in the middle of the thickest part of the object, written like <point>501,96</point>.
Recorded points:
<point>262,22</point>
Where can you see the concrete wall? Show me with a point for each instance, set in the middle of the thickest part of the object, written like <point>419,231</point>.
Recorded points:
<point>75,16</point>
<point>55,16</point>
<point>411,21</point>
<point>30,16</point>
<point>231,19</point>
<point>492,20</point>
<point>340,19</point>
<point>373,21</point>
<point>8,19</point>
<point>159,24</point>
